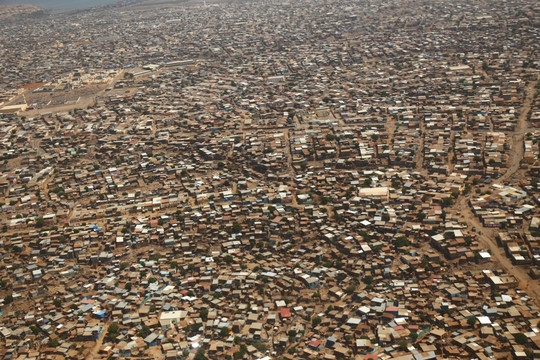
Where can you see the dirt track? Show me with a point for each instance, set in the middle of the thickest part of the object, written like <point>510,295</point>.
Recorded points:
<point>95,348</point>
<point>516,153</point>
<point>488,237</point>
<point>489,242</point>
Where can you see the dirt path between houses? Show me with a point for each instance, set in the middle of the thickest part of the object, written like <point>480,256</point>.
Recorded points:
<point>516,153</point>
<point>488,236</point>
<point>488,241</point>
<point>450,157</point>
<point>95,349</point>
<point>420,155</point>
<point>390,126</point>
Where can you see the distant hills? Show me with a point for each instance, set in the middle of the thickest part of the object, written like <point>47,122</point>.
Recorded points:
<point>9,11</point>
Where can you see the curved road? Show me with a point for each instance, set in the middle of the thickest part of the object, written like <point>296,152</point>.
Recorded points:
<point>488,237</point>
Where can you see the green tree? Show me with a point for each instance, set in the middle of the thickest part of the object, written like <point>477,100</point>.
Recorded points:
<point>368,279</point>
<point>204,314</point>
<point>144,332</point>
<point>195,327</point>
<point>401,242</point>
<point>40,222</point>
<point>521,338</point>
<point>236,228</point>
<point>367,182</point>
<point>241,353</point>
<point>200,355</point>
<point>52,343</point>
<point>224,331</point>
<point>112,331</point>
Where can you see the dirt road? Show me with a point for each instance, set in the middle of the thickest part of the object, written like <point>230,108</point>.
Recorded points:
<point>488,241</point>
<point>488,237</point>
<point>95,349</point>
<point>516,153</point>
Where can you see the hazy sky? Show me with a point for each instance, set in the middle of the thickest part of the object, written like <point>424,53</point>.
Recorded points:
<point>59,4</point>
